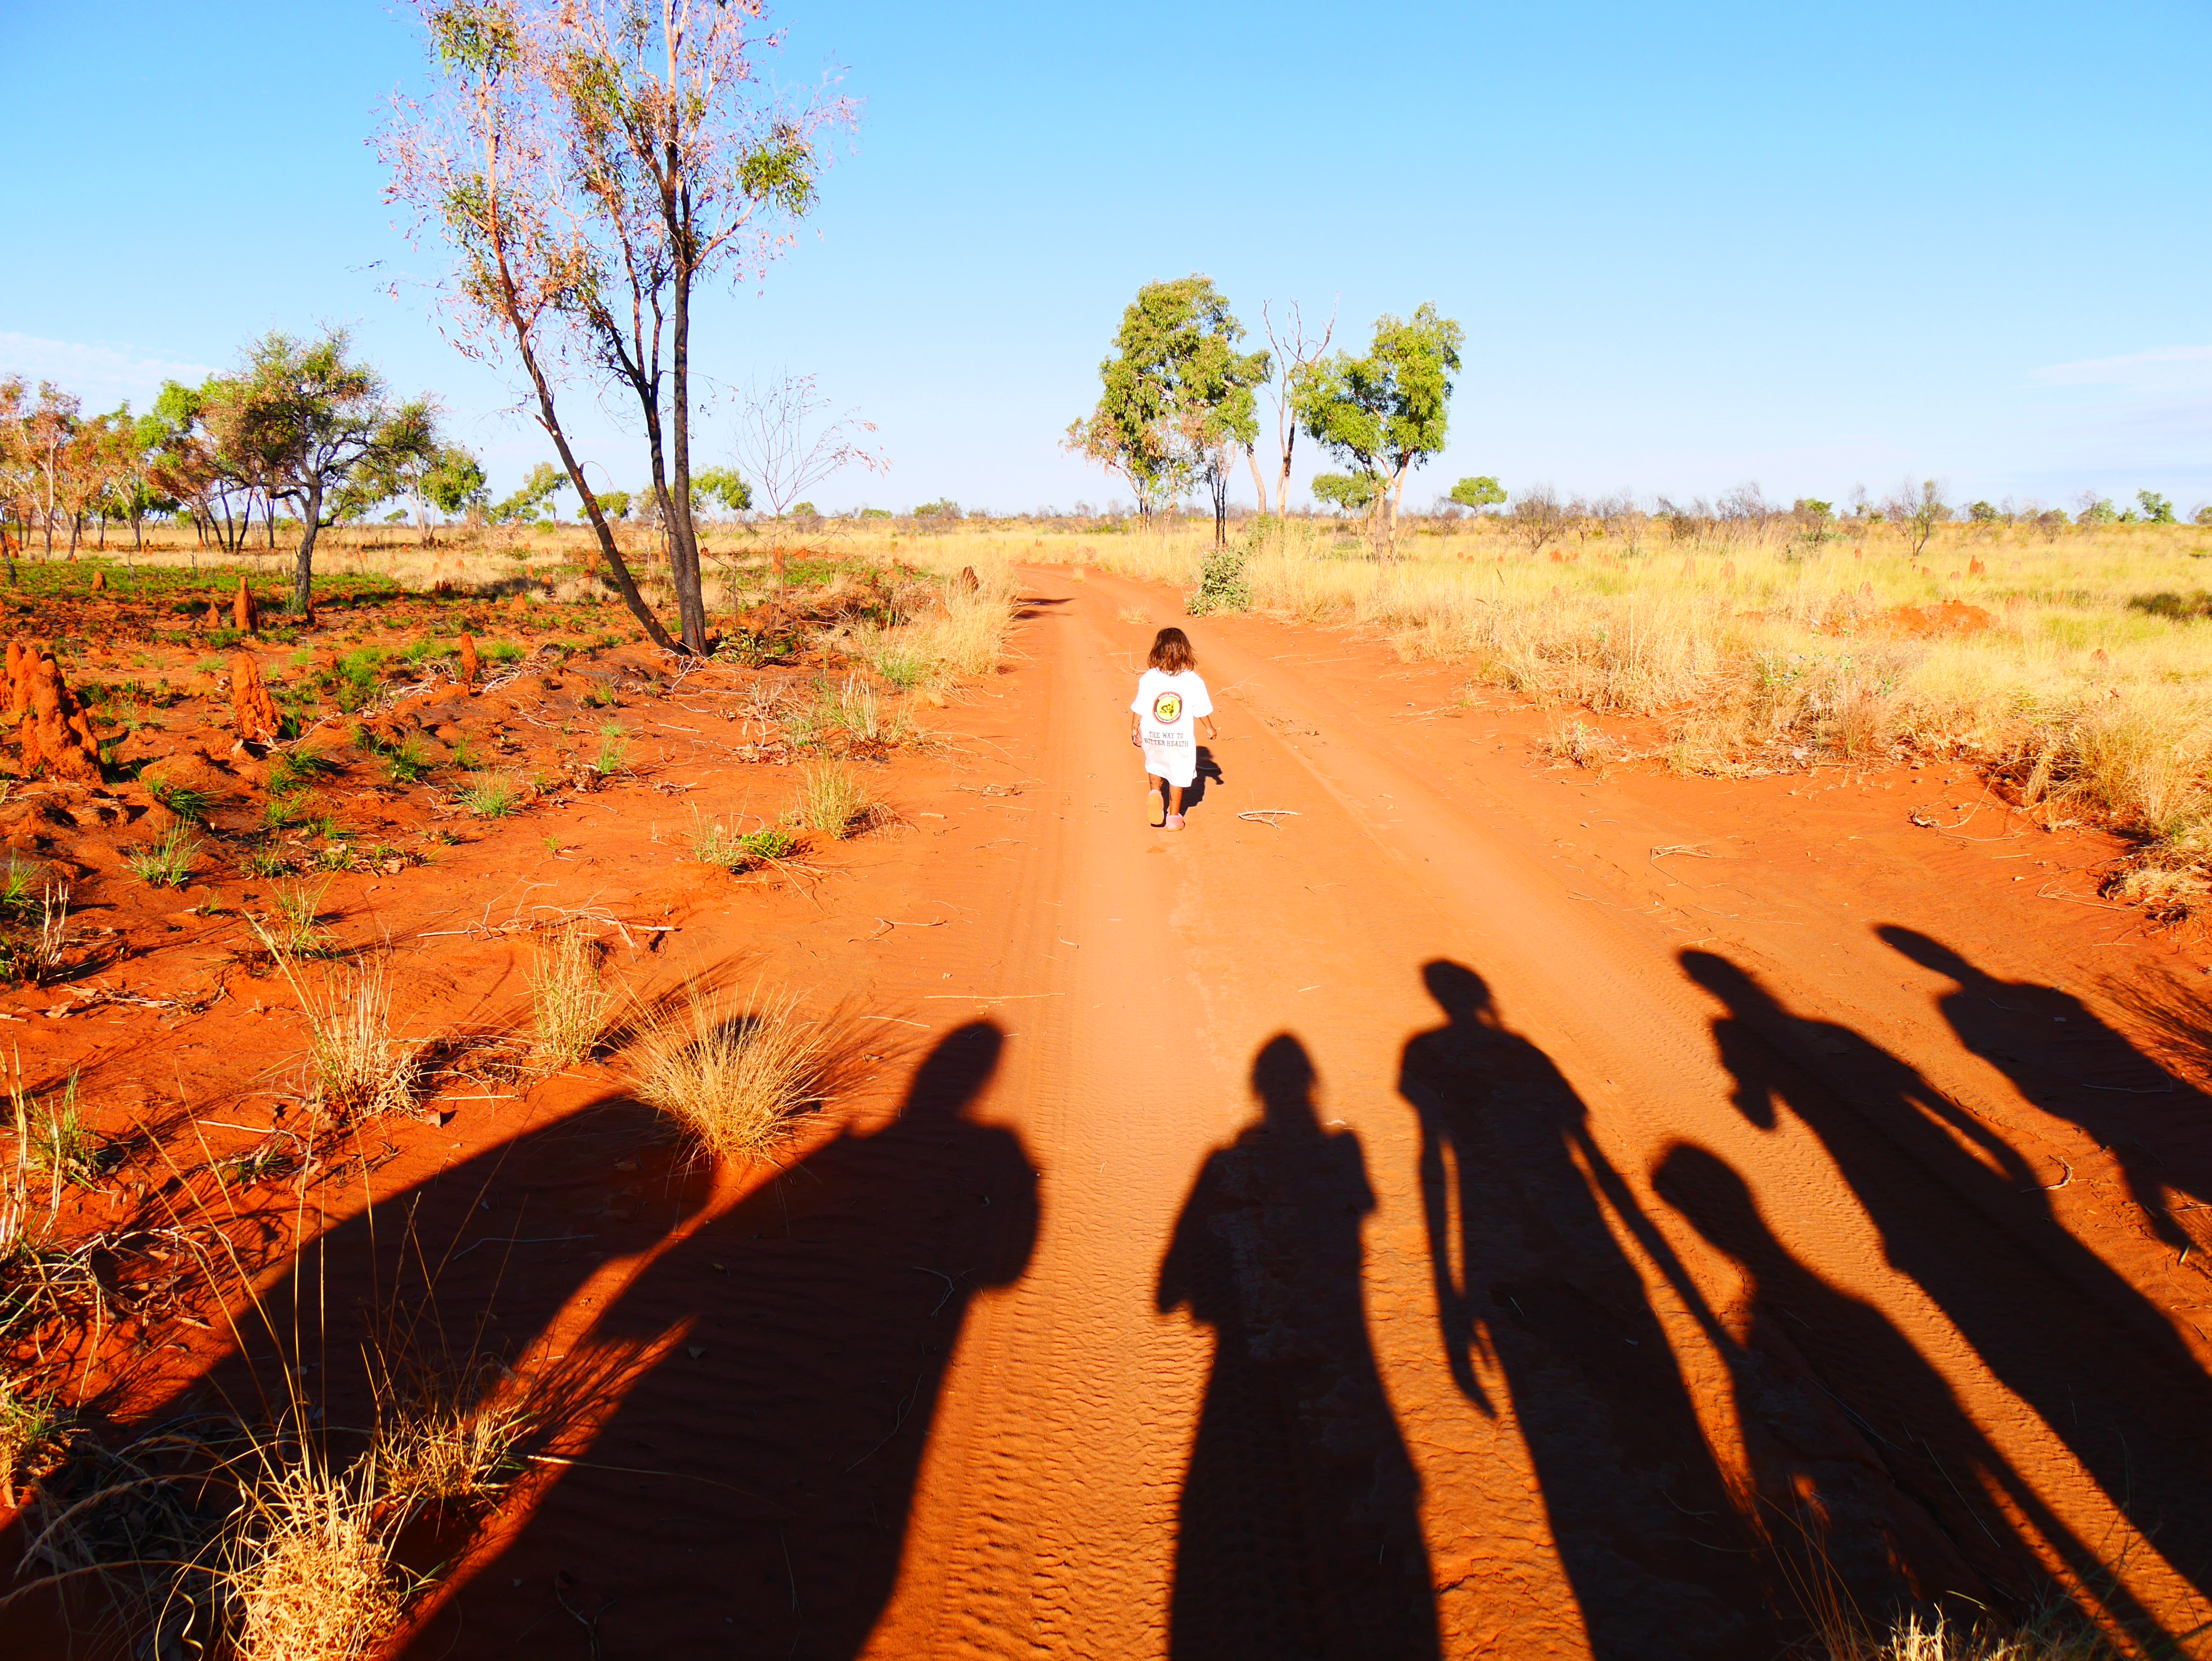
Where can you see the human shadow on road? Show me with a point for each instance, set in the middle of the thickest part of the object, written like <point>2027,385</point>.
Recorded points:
<point>1532,1285</point>
<point>452,1279</point>
<point>1862,1457</point>
<point>750,1493</point>
<point>2070,1064</point>
<point>1965,1215</point>
<point>1300,1531</point>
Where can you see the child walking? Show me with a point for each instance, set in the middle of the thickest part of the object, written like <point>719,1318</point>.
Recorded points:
<point>1171,700</point>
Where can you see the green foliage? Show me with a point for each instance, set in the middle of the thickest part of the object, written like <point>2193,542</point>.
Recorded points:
<point>266,861</point>
<point>1222,585</point>
<point>724,488</point>
<point>2202,516</point>
<point>1982,512</point>
<point>297,930</point>
<point>712,843</point>
<point>528,503</point>
<point>615,504</point>
<point>613,750</point>
<point>15,884</point>
<point>1387,412</point>
<point>60,1145</point>
<point>166,863</point>
<point>1920,510</point>
<point>2097,512</point>
<point>1177,393</point>
<point>317,425</point>
<point>1478,492</point>
<point>2156,508</point>
<point>454,482</point>
<point>944,507</point>
<point>293,768</point>
<point>1346,492</point>
<point>492,799</point>
<point>407,761</point>
<point>186,804</point>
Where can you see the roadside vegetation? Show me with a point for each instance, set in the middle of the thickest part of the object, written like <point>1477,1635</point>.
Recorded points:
<point>2055,658</point>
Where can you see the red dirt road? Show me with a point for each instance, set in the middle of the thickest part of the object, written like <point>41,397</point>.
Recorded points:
<point>1623,1208</point>
<point>1491,1210</point>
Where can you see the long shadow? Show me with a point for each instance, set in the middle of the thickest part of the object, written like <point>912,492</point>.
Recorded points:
<point>1299,1532</point>
<point>460,1274</point>
<point>750,1492</point>
<point>763,1393</point>
<point>1962,1212</point>
<point>1860,1456</point>
<point>2068,1062</point>
<point>1532,1283</point>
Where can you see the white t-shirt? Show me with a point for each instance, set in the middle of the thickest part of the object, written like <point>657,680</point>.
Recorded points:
<point>1167,707</point>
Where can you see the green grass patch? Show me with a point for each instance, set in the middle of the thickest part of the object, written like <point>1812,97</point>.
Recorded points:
<point>169,862</point>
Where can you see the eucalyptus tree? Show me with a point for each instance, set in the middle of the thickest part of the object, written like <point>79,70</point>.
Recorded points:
<point>320,430</point>
<point>1176,399</point>
<point>592,163</point>
<point>1386,413</point>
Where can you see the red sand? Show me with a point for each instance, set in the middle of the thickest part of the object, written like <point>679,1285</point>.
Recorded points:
<point>1489,1209</point>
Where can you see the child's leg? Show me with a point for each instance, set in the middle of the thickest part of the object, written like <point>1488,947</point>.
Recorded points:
<point>1155,810</point>
<point>1175,798</point>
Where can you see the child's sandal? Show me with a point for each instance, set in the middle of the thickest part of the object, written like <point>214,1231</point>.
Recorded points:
<point>1175,822</point>
<point>1155,810</point>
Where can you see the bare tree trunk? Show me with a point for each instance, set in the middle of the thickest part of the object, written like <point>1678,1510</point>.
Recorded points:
<point>311,522</point>
<point>615,565</point>
<point>1259,485</point>
<point>683,538</point>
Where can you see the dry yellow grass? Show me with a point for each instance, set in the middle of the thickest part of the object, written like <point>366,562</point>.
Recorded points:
<point>447,1436</point>
<point>832,798</point>
<point>1748,646</point>
<point>736,1080</point>
<point>1770,650</point>
<point>309,1566</point>
<point>360,1067</point>
<point>568,997</point>
<point>1916,1638</point>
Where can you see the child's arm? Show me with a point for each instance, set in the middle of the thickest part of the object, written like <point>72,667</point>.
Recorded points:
<point>1211,732</point>
<point>1136,732</point>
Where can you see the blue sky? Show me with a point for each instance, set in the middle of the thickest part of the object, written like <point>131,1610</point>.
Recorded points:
<point>1691,245</point>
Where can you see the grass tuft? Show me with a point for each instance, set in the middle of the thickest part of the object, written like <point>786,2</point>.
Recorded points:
<point>309,1573</point>
<point>568,995</point>
<point>296,931</point>
<point>169,862</point>
<point>361,1069</point>
<point>447,1436</point>
<point>492,797</point>
<point>832,799</point>
<point>737,1082</point>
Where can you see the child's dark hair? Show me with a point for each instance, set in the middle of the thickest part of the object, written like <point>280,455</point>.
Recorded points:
<point>1171,652</point>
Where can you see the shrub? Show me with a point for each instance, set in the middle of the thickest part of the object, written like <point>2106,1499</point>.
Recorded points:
<point>1222,584</point>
